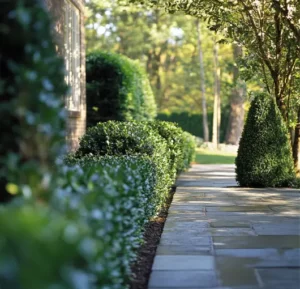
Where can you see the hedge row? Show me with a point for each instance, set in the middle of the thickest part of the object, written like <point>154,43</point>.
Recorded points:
<point>193,123</point>
<point>87,236</point>
<point>89,226</point>
<point>165,144</point>
<point>117,89</point>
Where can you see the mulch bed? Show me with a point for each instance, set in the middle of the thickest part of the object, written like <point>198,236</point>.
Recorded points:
<point>141,269</point>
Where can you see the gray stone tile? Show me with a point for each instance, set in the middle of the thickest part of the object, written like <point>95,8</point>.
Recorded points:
<point>202,231</point>
<point>184,250</point>
<point>182,263</point>
<point>234,287</point>
<point>256,242</point>
<point>268,253</point>
<point>284,277</point>
<point>270,257</point>
<point>184,240</point>
<point>239,209</point>
<point>277,228</point>
<point>236,271</point>
<point>230,224</point>
<point>245,213</point>
<point>231,232</point>
<point>209,206</point>
<point>196,208</point>
<point>183,279</point>
<point>187,213</point>
<point>187,226</point>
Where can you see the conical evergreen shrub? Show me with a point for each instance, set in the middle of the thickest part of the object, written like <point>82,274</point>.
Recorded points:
<point>264,156</point>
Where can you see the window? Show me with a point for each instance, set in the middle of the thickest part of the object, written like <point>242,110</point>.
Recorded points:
<point>72,55</point>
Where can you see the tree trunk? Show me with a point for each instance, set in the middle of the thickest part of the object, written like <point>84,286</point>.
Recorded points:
<point>202,83</point>
<point>237,112</point>
<point>217,98</point>
<point>296,145</point>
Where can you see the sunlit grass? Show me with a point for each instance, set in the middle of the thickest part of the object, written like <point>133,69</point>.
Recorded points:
<point>204,156</point>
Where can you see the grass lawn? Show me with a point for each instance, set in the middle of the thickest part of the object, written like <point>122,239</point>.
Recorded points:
<point>214,157</point>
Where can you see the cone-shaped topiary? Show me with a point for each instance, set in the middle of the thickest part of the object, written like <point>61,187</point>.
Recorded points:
<point>264,156</point>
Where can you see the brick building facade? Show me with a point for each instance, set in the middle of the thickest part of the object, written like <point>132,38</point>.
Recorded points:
<point>69,27</point>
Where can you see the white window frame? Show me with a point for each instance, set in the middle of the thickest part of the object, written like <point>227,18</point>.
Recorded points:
<point>72,44</point>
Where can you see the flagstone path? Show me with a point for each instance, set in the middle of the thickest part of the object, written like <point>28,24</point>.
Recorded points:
<point>220,236</point>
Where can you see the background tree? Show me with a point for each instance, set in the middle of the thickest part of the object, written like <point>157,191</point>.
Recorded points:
<point>202,84</point>
<point>237,100</point>
<point>269,32</point>
<point>167,45</point>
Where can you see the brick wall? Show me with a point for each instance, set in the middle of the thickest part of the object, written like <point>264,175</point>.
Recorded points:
<point>76,122</point>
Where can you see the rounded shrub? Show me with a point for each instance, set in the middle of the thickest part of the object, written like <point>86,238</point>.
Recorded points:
<point>174,137</point>
<point>116,138</point>
<point>264,155</point>
<point>117,89</point>
<point>31,91</point>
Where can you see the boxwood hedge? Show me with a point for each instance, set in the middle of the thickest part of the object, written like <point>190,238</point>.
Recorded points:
<point>88,235</point>
<point>180,144</point>
<point>116,138</point>
<point>117,89</point>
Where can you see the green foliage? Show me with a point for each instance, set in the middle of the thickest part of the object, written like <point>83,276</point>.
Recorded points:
<point>31,89</point>
<point>192,122</point>
<point>88,236</point>
<point>189,149</point>
<point>180,144</point>
<point>296,183</point>
<point>264,156</point>
<point>41,249</point>
<point>115,196</point>
<point>167,47</point>
<point>117,89</point>
<point>130,138</point>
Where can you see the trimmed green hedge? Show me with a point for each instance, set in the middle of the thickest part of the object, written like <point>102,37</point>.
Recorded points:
<point>115,138</point>
<point>31,103</point>
<point>181,144</point>
<point>117,89</point>
<point>89,235</point>
<point>89,227</point>
<point>264,156</point>
<point>193,122</point>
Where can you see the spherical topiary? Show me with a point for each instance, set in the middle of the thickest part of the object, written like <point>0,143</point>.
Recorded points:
<point>32,87</point>
<point>264,156</point>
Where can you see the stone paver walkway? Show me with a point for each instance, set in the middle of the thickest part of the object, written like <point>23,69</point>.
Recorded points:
<point>218,235</point>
